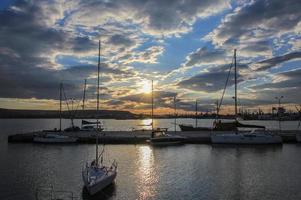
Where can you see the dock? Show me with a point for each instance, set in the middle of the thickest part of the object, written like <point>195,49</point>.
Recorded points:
<point>137,137</point>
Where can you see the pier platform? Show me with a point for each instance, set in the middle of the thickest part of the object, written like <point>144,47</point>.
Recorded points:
<point>137,137</point>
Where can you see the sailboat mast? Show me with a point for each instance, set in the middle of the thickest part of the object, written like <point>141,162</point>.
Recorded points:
<point>97,103</point>
<point>152,105</point>
<point>61,87</point>
<point>196,113</point>
<point>217,109</point>
<point>235,74</point>
<point>175,108</point>
<point>84,97</point>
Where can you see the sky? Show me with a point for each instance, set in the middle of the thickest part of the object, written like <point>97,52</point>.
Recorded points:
<point>185,46</point>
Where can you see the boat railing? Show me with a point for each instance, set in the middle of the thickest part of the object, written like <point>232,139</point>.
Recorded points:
<point>49,193</point>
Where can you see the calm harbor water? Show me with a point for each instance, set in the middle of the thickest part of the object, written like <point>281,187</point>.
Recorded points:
<point>180,172</point>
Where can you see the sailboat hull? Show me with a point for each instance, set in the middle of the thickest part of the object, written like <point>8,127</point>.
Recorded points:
<point>242,138</point>
<point>101,183</point>
<point>54,138</point>
<point>191,128</point>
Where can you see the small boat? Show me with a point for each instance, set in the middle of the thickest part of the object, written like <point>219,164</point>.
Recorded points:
<point>96,176</point>
<point>160,137</point>
<point>257,137</point>
<point>91,126</point>
<point>85,122</point>
<point>53,138</point>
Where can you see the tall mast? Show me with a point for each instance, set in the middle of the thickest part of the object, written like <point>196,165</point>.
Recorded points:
<point>84,97</point>
<point>175,108</point>
<point>196,113</point>
<point>61,87</point>
<point>152,105</point>
<point>217,109</point>
<point>97,102</point>
<point>235,97</point>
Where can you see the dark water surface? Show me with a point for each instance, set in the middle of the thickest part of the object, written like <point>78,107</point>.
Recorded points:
<point>180,172</point>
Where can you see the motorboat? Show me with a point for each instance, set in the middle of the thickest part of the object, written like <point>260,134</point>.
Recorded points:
<point>160,137</point>
<point>91,126</point>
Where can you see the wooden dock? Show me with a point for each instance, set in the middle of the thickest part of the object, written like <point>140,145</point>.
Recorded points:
<point>137,137</point>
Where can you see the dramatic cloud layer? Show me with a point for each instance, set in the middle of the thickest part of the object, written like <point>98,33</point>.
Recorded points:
<point>205,56</point>
<point>153,17</point>
<point>185,46</point>
<point>213,80</point>
<point>275,61</point>
<point>250,26</point>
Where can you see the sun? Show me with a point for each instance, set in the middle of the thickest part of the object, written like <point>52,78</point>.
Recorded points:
<point>146,87</point>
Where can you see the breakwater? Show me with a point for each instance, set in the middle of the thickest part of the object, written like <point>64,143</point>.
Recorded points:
<point>137,137</point>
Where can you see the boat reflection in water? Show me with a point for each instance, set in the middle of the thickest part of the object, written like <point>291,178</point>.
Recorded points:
<point>147,174</point>
<point>106,193</point>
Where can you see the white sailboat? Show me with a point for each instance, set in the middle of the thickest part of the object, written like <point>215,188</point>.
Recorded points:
<point>97,176</point>
<point>159,135</point>
<point>253,137</point>
<point>55,136</point>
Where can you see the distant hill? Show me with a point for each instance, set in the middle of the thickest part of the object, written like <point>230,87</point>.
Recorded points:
<point>104,114</point>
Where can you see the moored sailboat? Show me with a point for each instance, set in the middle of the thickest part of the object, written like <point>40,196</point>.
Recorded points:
<point>190,127</point>
<point>55,136</point>
<point>96,175</point>
<point>236,137</point>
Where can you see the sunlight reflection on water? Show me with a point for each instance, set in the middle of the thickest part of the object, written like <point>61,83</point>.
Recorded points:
<point>146,173</point>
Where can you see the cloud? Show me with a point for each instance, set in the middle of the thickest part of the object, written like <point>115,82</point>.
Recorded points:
<point>257,21</point>
<point>118,39</point>
<point>205,56</point>
<point>28,47</point>
<point>288,79</point>
<point>153,17</point>
<point>255,48</point>
<point>150,55</point>
<point>287,84</point>
<point>146,98</point>
<point>275,61</point>
<point>211,81</point>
